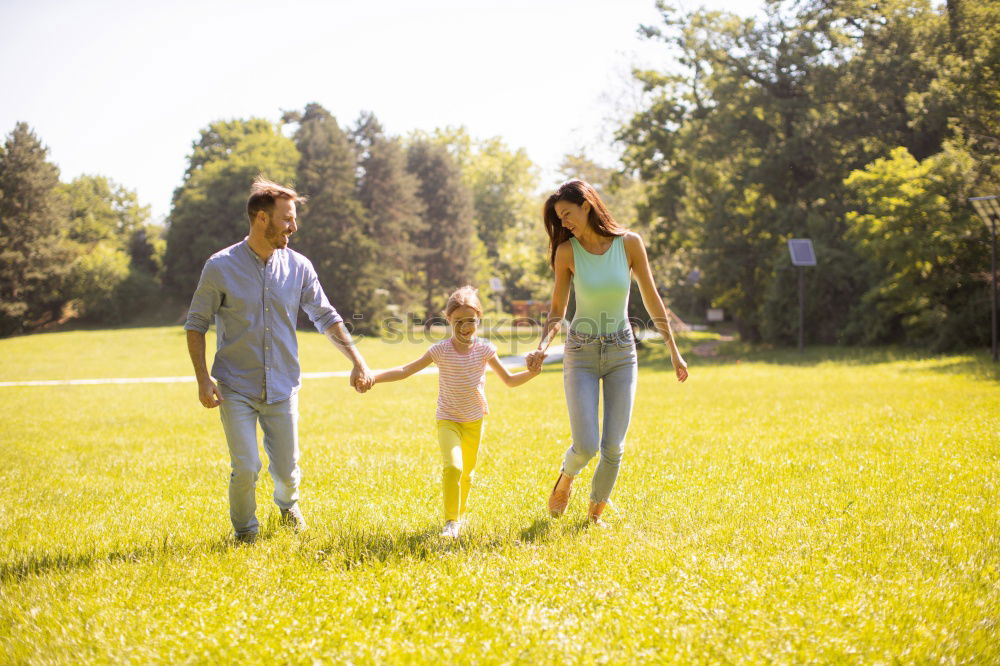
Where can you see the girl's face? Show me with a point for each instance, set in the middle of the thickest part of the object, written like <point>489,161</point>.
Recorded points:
<point>572,216</point>
<point>464,322</point>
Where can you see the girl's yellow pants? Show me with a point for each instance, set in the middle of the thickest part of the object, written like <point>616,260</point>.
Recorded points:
<point>459,448</point>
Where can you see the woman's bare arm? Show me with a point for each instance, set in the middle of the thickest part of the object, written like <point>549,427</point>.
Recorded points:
<point>635,249</point>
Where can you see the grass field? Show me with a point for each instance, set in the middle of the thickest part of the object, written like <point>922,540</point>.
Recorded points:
<point>837,506</point>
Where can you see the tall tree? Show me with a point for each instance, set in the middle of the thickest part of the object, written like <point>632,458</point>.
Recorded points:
<point>115,274</point>
<point>209,208</point>
<point>146,247</point>
<point>333,223</point>
<point>970,67</point>
<point>103,210</point>
<point>34,256</point>
<point>448,238</point>
<point>964,96</point>
<point>749,143</point>
<point>913,223</point>
<point>395,213</point>
<point>508,223</point>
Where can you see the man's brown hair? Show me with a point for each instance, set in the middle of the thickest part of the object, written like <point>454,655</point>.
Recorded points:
<point>263,194</point>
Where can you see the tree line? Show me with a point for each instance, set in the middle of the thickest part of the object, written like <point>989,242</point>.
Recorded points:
<point>88,242</point>
<point>864,127</point>
<point>392,225</point>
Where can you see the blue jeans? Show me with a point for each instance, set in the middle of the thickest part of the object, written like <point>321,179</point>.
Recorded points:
<point>279,421</point>
<point>589,360</point>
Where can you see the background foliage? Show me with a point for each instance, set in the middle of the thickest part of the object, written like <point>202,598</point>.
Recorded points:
<point>752,135</point>
<point>864,127</point>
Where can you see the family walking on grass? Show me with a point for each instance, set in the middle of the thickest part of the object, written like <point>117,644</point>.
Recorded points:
<point>254,289</point>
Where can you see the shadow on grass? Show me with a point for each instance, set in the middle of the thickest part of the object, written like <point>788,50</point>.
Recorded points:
<point>364,547</point>
<point>543,529</point>
<point>43,563</point>
<point>360,547</point>
<point>977,364</point>
<point>537,532</point>
<point>579,526</point>
<point>352,549</point>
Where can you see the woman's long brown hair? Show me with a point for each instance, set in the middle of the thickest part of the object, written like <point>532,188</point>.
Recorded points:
<point>576,192</point>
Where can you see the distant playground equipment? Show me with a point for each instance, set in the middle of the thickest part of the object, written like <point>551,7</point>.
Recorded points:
<point>529,312</point>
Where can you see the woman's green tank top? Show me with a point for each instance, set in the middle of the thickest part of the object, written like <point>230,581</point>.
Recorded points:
<point>601,283</point>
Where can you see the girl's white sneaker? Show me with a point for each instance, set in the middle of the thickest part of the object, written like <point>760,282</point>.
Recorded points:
<point>451,529</point>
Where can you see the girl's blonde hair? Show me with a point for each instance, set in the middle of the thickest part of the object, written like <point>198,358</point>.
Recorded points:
<point>467,296</point>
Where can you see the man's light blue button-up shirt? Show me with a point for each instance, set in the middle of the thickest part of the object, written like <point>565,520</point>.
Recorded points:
<point>255,305</point>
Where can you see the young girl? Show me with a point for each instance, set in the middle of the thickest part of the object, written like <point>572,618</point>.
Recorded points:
<point>461,405</point>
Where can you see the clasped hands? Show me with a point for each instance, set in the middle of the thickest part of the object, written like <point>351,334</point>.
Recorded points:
<point>362,379</point>
<point>534,360</point>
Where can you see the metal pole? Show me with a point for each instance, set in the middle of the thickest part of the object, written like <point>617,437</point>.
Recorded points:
<point>993,264</point>
<point>802,309</point>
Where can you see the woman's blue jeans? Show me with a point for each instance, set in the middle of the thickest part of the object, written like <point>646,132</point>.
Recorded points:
<point>588,361</point>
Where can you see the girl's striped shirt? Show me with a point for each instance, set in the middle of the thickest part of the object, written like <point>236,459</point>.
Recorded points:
<point>462,380</point>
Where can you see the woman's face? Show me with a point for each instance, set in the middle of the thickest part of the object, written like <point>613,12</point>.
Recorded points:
<point>464,322</point>
<point>572,216</point>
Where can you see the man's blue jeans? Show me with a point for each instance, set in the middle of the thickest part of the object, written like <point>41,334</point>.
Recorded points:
<point>588,361</point>
<point>279,421</point>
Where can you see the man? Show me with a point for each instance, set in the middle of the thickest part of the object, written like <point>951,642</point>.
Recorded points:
<point>254,290</point>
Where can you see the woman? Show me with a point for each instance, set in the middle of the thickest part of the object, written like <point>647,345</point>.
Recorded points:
<point>588,248</point>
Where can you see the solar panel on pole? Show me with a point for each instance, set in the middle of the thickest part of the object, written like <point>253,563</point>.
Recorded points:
<point>802,254</point>
<point>801,251</point>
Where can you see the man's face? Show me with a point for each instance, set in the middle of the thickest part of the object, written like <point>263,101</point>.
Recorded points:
<point>282,224</point>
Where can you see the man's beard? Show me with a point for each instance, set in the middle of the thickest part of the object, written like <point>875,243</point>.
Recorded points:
<point>277,240</point>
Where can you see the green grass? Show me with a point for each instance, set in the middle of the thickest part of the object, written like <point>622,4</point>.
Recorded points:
<point>833,506</point>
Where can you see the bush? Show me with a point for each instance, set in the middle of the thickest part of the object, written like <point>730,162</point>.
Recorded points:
<point>94,282</point>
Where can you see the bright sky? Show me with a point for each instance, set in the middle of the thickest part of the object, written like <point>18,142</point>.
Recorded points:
<point>122,88</point>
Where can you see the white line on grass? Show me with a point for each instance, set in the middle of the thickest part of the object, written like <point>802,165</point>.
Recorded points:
<point>555,354</point>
